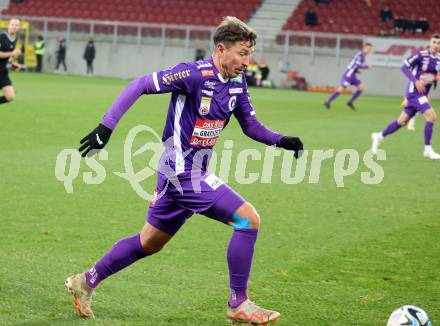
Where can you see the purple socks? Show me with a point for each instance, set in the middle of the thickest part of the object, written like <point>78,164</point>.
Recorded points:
<point>123,253</point>
<point>126,251</point>
<point>355,96</point>
<point>428,132</point>
<point>240,254</point>
<point>392,127</point>
<point>333,97</point>
<point>237,297</point>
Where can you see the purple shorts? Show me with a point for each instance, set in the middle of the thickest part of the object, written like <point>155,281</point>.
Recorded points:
<point>178,200</point>
<point>349,80</point>
<point>417,104</point>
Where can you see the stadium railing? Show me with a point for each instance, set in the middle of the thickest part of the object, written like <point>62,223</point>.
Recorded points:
<point>185,35</point>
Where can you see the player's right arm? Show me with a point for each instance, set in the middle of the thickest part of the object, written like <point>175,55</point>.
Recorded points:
<point>408,64</point>
<point>182,78</point>
<point>10,54</point>
<point>361,65</point>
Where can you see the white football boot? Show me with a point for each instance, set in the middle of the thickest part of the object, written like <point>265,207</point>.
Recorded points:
<point>249,313</point>
<point>376,138</point>
<point>82,294</point>
<point>429,153</point>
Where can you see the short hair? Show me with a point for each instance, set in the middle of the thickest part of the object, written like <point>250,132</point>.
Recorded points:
<point>435,36</point>
<point>368,44</point>
<point>231,30</point>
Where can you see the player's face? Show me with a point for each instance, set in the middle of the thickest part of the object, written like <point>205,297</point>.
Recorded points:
<point>367,49</point>
<point>434,44</point>
<point>14,26</point>
<point>235,58</point>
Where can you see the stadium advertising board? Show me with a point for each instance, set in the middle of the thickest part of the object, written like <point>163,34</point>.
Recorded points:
<point>391,52</point>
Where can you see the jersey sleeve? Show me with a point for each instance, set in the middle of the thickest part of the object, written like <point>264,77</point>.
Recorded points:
<point>182,78</point>
<point>3,45</point>
<point>410,63</point>
<point>413,60</point>
<point>360,62</point>
<point>251,126</point>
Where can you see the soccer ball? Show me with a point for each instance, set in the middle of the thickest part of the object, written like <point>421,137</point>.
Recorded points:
<point>409,315</point>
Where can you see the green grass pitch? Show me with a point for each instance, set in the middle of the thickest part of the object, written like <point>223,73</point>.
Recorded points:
<point>325,255</point>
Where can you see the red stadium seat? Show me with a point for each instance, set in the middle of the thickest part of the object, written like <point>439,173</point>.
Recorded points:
<point>171,11</point>
<point>342,16</point>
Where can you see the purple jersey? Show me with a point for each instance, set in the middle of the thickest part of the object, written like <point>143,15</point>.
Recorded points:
<point>422,65</point>
<point>355,64</point>
<point>201,105</point>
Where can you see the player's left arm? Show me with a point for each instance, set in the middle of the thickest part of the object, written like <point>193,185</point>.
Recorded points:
<point>256,130</point>
<point>182,78</point>
<point>361,64</point>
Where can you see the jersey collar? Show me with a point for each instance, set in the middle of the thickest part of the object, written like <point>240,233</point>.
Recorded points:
<point>10,37</point>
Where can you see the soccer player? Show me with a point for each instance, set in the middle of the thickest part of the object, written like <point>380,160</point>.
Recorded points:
<point>349,77</point>
<point>8,41</point>
<point>204,96</point>
<point>422,70</point>
<point>411,125</point>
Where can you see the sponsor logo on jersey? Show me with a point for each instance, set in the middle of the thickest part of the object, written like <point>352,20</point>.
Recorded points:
<point>236,90</point>
<point>205,105</point>
<point>204,65</point>
<point>207,73</point>
<point>206,132</point>
<point>232,102</point>
<point>208,93</point>
<point>168,78</point>
<point>209,84</point>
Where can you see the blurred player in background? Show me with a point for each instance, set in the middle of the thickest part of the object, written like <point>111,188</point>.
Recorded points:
<point>349,77</point>
<point>61,53</point>
<point>8,52</point>
<point>411,125</point>
<point>422,70</point>
<point>205,94</point>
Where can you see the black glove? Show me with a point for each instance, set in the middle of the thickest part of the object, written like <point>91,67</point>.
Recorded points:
<point>97,139</point>
<point>292,144</point>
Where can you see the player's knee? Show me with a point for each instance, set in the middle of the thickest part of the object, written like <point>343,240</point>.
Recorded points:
<point>361,87</point>
<point>246,217</point>
<point>255,221</point>
<point>150,244</point>
<point>152,239</point>
<point>402,121</point>
<point>10,97</point>
<point>150,247</point>
<point>432,117</point>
